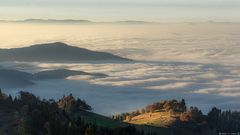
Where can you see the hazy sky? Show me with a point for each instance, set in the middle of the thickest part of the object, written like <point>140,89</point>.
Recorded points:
<point>112,10</point>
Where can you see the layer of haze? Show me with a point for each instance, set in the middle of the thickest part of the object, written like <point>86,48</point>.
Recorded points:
<point>112,10</point>
<point>199,42</point>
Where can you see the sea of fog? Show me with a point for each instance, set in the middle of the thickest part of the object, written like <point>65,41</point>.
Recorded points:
<point>198,62</point>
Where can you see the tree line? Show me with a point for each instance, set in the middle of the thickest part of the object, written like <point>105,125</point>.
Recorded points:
<point>34,116</point>
<point>191,118</point>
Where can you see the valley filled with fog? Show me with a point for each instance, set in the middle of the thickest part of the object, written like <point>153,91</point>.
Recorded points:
<point>198,62</point>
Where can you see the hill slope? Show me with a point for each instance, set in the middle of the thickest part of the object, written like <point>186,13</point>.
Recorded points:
<point>159,119</point>
<point>27,114</point>
<point>14,78</point>
<point>18,79</point>
<point>62,74</point>
<point>55,52</point>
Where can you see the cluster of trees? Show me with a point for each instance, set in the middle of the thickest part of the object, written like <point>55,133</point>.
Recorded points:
<point>34,116</point>
<point>191,120</point>
<point>168,106</point>
<point>70,104</point>
<point>172,106</point>
<point>192,114</point>
<point>216,121</point>
<point>2,95</point>
<point>224,121</point>
<point>48,117</point>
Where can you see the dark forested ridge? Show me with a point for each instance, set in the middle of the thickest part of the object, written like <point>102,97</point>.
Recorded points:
<point>56,52</point>
<point>30,115</point>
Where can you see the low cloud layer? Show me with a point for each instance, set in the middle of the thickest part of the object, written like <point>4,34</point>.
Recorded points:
<point>138,84</point>
<point>198,62</point>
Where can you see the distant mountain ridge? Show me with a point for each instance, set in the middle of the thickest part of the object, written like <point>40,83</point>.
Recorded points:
<point>14,79</point>
<point>73,21</point>
<point>10,78</point>
<point>82,21</point>
<point>62,73</point>
<point>48,21</point>
<point>56,21</point>
<point>56,52</point>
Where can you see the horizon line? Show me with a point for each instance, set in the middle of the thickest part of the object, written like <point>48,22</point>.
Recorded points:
<point>39,20</point>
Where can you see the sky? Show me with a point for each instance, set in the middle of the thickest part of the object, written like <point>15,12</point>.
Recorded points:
<point>116,10</point>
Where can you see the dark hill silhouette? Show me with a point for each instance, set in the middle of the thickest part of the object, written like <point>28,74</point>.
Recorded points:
<point>55,52</point>
<point>62,73</point>
<point>54,21</point>
<point>16,79</point>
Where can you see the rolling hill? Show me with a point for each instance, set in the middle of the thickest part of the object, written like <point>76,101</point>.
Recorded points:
<point>56,52</point>
<point>71,119</point>
<point>158,119</point>
<point>18,79</point>
<point>62,73</point>
<point>14,79</point>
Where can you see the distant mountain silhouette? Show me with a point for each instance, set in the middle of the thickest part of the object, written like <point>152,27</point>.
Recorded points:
<point>14,78</point>
<point>62,73</point>
<point>54,21</point>
<point>55,52</point>
<point>133,22</point>
<point>48,21</point>
<point>73,21</point>
<point>18,79</point>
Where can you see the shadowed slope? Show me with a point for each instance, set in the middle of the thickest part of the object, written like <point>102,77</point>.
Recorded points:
<point>55,52</point>
<point>62,73</point>
<point>14,78</point>
<point>28,114</point>
<point>19,79</point>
